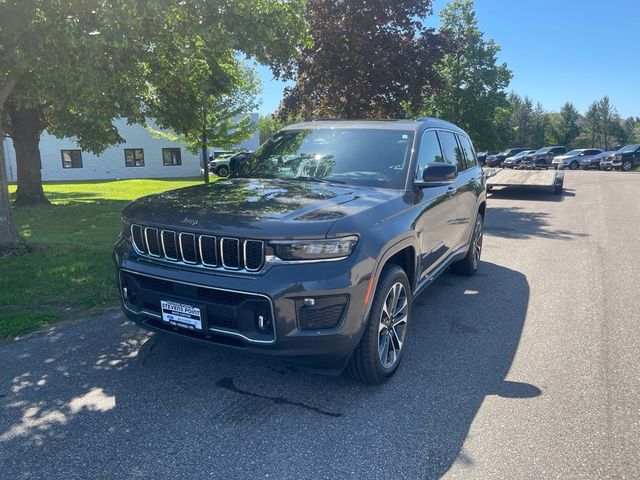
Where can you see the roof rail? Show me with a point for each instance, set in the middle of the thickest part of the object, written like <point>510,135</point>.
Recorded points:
<point>424,119</point>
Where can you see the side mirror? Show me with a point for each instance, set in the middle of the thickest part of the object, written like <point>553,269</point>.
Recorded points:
<point>437,175</point>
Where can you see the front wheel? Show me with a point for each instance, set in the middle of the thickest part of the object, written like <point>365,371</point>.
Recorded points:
<point>223,171</point>
<point>469,264</point>
<point>627,165</point>
<point>378,355</point>
<point>573,165</point>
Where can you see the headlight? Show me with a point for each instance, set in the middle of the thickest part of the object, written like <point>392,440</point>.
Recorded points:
<point>315,249</point>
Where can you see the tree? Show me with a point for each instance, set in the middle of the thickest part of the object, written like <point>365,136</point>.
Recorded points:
<point>607,114</point>
<point>72,68</point>
<point>564,125</point>
<point>368,60</point>
<point>216,114</point>
<point>42,45</point>
<point>539,126</point>
<point>522,119</point>
<point>268,125</point>
<point>592,124</point>
<point>472,81</point>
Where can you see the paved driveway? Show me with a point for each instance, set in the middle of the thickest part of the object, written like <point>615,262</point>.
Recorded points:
<point>528,370</point>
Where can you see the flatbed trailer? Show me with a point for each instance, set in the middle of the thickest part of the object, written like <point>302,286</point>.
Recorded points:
<point>502,177</point>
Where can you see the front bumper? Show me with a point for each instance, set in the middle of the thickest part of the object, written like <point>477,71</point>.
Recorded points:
<point>232,303</point>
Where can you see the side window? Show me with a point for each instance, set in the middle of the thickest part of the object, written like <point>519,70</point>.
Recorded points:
<point>429,151</point>
<point>451,149</point>
<point>469,153</point>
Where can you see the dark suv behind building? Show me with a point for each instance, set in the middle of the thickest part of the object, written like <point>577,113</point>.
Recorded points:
<point>314,248</point>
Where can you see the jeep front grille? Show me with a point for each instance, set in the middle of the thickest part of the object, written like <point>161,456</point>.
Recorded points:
<point>206,250</point>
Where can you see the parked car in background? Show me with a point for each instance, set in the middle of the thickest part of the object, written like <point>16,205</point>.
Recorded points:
<point>482,157</point>
<point>223,165</point>
<point>627,158</point>
<point>497,159</point>
<point>515,160</point>
<point>593,161</point>
<point>573,158</point>
<point>606,162</point>
<point>543,158</point>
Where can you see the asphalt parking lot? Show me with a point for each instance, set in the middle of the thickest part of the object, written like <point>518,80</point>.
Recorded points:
<point>527,370</point>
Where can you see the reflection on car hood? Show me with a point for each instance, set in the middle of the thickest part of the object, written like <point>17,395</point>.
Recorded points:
<point>257,208</point>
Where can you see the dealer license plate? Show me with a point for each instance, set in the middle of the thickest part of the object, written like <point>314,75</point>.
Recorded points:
<point>182,315</point>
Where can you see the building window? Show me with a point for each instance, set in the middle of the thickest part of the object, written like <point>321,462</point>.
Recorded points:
<point>71,158</point>
<point>171,157</point>
<point>134,157</point>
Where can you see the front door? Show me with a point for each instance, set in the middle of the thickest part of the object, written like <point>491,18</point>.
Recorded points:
<point>437,205</point>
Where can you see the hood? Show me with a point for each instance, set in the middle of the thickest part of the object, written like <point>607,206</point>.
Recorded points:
<point>256,208</point>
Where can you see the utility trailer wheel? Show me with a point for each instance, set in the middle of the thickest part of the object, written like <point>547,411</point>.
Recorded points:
<point>558,188</point>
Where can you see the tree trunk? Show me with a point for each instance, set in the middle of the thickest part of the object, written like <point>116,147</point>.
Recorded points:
<point>26,128</point>
<point>205,158</point>
<point>8,232</point>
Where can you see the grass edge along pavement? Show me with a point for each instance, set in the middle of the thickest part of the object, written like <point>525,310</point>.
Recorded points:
<point>63,269</point>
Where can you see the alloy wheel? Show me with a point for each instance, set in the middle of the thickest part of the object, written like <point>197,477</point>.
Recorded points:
<point>477,243</point>
<point>393,325</point>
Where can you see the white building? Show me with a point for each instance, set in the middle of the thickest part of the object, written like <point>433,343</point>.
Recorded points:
<point>141,156</point>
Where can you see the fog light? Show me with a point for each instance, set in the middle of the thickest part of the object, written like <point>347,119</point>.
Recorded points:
<point>309,302</point>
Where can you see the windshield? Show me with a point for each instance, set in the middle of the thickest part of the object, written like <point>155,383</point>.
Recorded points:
<point>573,153</point>
<point>543,150</point>
<point>522,154</point>
<point>629,148</point>
<point>370,157</point>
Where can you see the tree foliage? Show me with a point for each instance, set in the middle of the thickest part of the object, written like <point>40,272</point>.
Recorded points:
<point>72,67</point>
<point>368,60</point>
<point>472,81</point>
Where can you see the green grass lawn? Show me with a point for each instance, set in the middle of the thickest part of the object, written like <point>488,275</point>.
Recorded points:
<point>68,271</point>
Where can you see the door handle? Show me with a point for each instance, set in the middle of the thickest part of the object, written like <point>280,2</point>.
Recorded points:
<point>451,191</point>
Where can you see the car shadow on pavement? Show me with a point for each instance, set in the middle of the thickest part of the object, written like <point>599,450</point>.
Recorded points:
<point>101,397</point>
<point>520,223</point>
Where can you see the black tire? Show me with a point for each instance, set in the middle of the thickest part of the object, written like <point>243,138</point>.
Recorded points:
<point>366,364</point>
<point>574,165</point>
<point>222,171</point>
<point>627,165</point>
<point>469,264</point>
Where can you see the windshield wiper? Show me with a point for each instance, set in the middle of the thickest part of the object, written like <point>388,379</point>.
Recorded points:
<point>316,179</point>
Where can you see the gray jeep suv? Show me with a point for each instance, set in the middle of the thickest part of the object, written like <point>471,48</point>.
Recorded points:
<point>314,248</point>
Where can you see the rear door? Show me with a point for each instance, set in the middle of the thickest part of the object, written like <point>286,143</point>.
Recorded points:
<point>473,186</point>
<point>459,216</point>
<point>435,233</point>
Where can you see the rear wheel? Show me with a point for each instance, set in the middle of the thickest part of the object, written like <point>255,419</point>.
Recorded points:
<point>469,264</point>
<point>378,355</point>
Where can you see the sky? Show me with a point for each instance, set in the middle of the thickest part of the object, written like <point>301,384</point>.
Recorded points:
<point>558,51</point>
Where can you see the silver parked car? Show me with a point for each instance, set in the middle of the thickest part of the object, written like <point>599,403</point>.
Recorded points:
<point>573,158</point>
<point>515,160</point>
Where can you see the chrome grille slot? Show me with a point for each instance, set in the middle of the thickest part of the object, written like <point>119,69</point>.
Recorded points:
<point>208,253</point>
<point>253,255</point>
<point>153,243</point>
<point>137,234</point>
<point>188,248</point>
<point>169,246</point>
<point>230,253</point>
